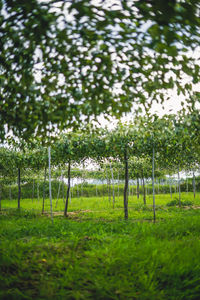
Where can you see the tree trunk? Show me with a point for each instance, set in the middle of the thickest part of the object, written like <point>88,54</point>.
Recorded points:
<point>187,185</point>
<point>118,184</point>
<point>38,191</point>
<point>10,195</point>
<point>82,188</point>
<point>50,194</point>
<point>153,185</point>
<point>72,189</point>
<point>138,188</point>
<point>96,191</point>
<point>19,187</point>
<point>194,185</point>
<point>113,189</point>
<point>68,189</point>
<point>179,188</point>
<point>45,176</point>
<point>108,189</point>
<point>158,186</point>
<point>109,186</point>
<point>126,185</point>
<point>0,195</point>
<point>77,190</point>
<point>144,191</point>
<point>63,189</point>
<point>70,196</point>
<point>170,187</point>
<point>58,194</point>
<point>33,190</point>
<point>102,182</point>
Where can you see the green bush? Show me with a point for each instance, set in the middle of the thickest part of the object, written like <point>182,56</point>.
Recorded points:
<point>85,190</point>
<point>27,191</point>
<point>183,203</point>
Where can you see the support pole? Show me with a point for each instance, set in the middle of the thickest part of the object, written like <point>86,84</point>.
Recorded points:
<point>50,195</point>
<point>153,185</point>
<point>179,187</point>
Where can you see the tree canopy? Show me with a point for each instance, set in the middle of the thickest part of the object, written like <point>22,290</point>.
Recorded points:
<point>65,62</point>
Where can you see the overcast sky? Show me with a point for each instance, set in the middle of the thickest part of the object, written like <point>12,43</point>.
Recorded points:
<point>171,106</point>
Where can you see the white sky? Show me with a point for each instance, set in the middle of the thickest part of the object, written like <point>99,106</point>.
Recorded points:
<point>171,106</point>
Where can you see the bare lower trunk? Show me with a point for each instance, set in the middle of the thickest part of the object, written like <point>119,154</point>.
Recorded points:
<point>179,188</point>
<point>187,185</point>
<point>70,195</point>
<point>68,189</point>
<point>50,194</point>
<point>109,189</point>
<point>138,188</point>
<point>10,194</point>
<point>96,191</point>
<point>102,189</point>
<point>58,194</point>
<point>33,190</point>
<point>19,187</point>
<point>126,185</point>
<point>0,196</point>
<point>77,190</point>
<point>45,176</point>
<point>170,187</point>
<point>63,190</point>
<point>81,188</point>
<point>153,185</point>
<point>118,184</point>
<point>194,185</point>
<point>71,191</point>
<point>107,180</point>
<point>113,189</point>
<point>144,191</point>
<point>38,191</point>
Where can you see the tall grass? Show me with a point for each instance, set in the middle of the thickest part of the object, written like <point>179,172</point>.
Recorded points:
<point>99,207</point>
<point>94,257</point>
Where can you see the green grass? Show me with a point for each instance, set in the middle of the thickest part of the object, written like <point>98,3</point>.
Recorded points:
<point>95,254</point>
<point>96,208</point>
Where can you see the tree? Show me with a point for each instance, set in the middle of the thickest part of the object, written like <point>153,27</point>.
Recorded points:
<point>70,148</point>
<point>12,162</point>
<point>63,63</point>
<point>140,167</point>
<point>121,145</point>
<point>36,159</point>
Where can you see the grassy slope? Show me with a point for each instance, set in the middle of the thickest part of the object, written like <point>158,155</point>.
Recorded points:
<point>95,254</point>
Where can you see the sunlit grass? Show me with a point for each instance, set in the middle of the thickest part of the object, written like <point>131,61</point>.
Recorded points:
<point>95,203</point>
<point>102,207</point>
<point>96,254</point>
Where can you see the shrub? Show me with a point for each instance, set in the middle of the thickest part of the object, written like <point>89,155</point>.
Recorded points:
<point>175,202</point>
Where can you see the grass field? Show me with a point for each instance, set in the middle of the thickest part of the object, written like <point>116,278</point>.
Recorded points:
<point>95,254</point>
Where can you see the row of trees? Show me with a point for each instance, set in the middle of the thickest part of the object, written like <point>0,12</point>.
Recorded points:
<point>141,148</point>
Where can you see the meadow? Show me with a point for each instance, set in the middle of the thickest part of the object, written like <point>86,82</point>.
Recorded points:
<point>95,254</point>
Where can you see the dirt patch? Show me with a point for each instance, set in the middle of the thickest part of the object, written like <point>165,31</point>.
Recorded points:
<point>195,207</point>
<point>70,213</point>
<point>190,207</point>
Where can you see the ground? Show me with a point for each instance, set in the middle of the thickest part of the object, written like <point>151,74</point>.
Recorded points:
<point>95,254</point>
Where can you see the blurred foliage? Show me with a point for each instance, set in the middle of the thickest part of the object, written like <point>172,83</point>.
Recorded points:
<point>63,63</point>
